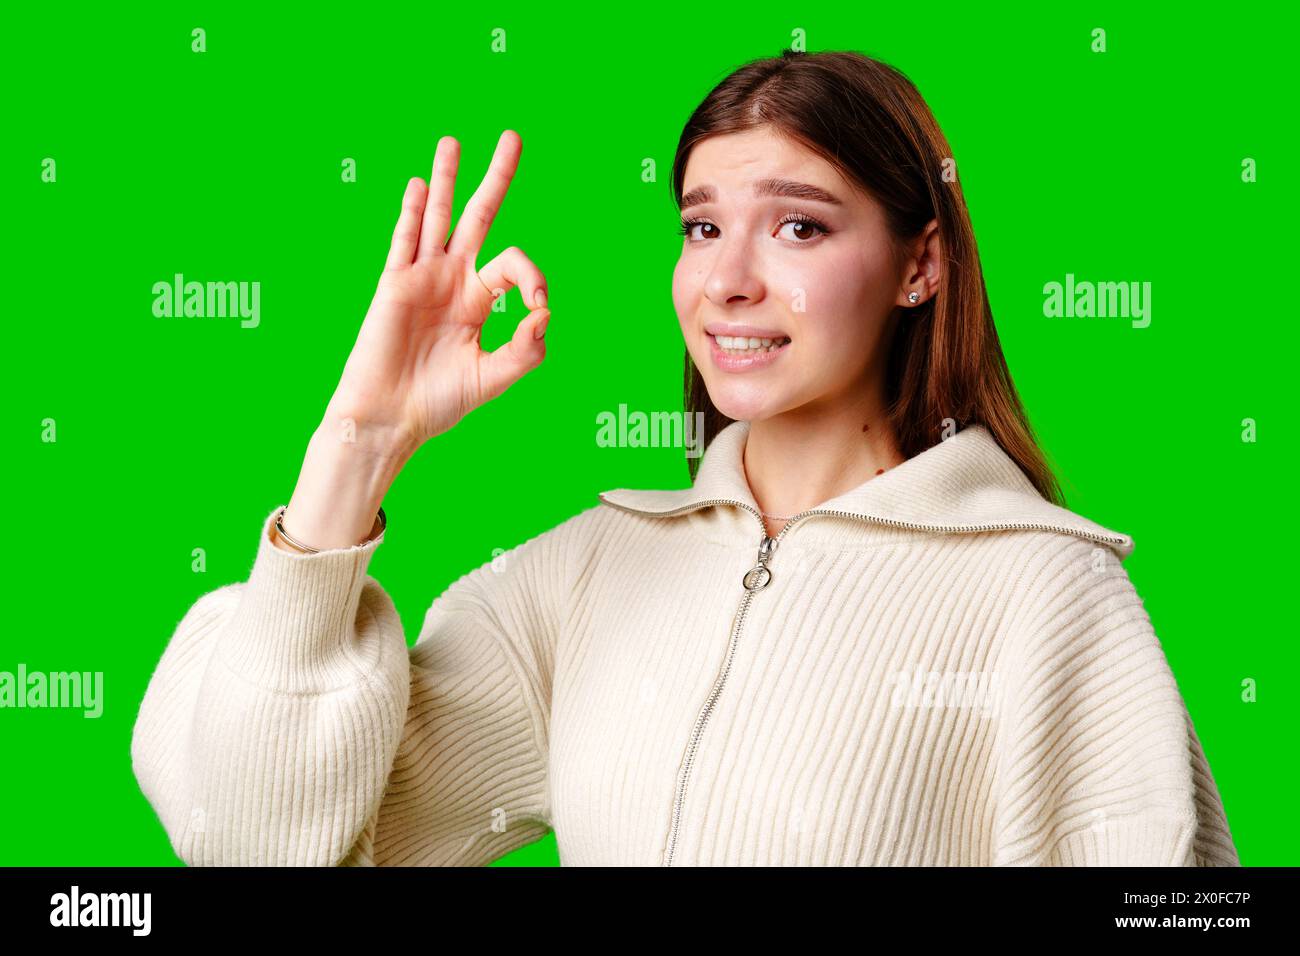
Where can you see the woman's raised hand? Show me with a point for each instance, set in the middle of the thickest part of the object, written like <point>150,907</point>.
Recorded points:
<point>417,366</point>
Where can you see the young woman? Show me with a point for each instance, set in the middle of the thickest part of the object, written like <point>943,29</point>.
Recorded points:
<point>868,633</point>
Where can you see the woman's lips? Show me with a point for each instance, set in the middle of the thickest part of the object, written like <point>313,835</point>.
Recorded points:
<point>744,363</point>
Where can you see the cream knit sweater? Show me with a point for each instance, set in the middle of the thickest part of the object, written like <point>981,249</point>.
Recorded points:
<point>942,669</point>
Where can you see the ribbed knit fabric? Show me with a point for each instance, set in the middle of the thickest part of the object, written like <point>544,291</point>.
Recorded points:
<point>944,669</point>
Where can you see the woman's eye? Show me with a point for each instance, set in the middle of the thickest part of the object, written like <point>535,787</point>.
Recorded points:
<point>798,229</point>
<point>689,225</point>
<point>801,230</point>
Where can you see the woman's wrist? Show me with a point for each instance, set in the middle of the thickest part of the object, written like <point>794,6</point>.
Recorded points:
<point>346,472</point>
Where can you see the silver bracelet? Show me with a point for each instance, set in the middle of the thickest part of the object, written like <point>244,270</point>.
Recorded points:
<point>279,529</point>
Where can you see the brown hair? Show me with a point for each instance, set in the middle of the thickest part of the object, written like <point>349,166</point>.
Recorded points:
<point>869,121</point>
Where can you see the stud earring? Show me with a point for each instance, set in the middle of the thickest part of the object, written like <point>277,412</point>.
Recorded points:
<point>913,296</point>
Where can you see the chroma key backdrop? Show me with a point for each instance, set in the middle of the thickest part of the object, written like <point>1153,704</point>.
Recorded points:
<point>199,201</point>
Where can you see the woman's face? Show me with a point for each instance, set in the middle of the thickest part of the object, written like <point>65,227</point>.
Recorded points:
<point>780,246</point>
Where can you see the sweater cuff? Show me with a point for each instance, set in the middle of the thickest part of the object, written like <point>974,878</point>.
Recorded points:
<point>1134,840</point>
<point>302,625</point>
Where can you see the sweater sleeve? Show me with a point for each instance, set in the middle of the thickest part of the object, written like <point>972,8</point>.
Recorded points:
<point>288,723</point>
<point>1098,761</point>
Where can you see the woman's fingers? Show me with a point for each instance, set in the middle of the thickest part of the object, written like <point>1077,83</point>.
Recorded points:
<point>482,207</point>
<point>513,268</point>
<point>407,231</point>
<point>437,209</point>
<point>502,367</point>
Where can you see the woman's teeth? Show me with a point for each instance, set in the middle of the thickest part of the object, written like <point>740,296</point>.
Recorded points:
<point>742,346</point>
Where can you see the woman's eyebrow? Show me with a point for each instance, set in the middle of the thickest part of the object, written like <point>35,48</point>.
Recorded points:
<point>794,190</point>
<point>766,187</point>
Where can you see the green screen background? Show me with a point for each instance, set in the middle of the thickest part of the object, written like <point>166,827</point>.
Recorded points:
<point>182,433</point>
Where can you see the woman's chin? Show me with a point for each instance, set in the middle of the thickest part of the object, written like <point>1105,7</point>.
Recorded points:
<point>743,403</point>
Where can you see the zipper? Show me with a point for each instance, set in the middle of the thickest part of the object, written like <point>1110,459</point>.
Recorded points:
<point>760,576</point>
<point>755,579</point>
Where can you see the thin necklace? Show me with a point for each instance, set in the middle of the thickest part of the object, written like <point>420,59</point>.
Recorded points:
<point>788,517</point>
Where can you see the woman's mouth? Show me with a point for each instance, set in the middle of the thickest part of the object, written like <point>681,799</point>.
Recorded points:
<point>738,354</point>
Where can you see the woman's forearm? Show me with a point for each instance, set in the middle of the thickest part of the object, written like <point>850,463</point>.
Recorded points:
<point>346,472</point>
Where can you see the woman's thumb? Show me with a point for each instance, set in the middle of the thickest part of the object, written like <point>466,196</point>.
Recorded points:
<point>506,364</point>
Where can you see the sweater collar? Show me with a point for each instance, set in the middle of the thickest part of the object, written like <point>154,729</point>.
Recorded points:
<point>965,483</point>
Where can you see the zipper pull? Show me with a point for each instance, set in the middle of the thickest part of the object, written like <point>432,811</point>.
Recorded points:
<point>758,577</point>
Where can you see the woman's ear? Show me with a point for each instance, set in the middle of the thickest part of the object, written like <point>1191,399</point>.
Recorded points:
<point>923,268</point>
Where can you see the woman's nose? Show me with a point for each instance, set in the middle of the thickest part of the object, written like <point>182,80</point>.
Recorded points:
<point>732,274</point>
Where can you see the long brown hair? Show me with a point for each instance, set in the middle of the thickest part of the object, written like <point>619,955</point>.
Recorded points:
<point>869,121</point>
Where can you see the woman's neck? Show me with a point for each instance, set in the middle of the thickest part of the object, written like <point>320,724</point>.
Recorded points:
<point>794,463</point>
